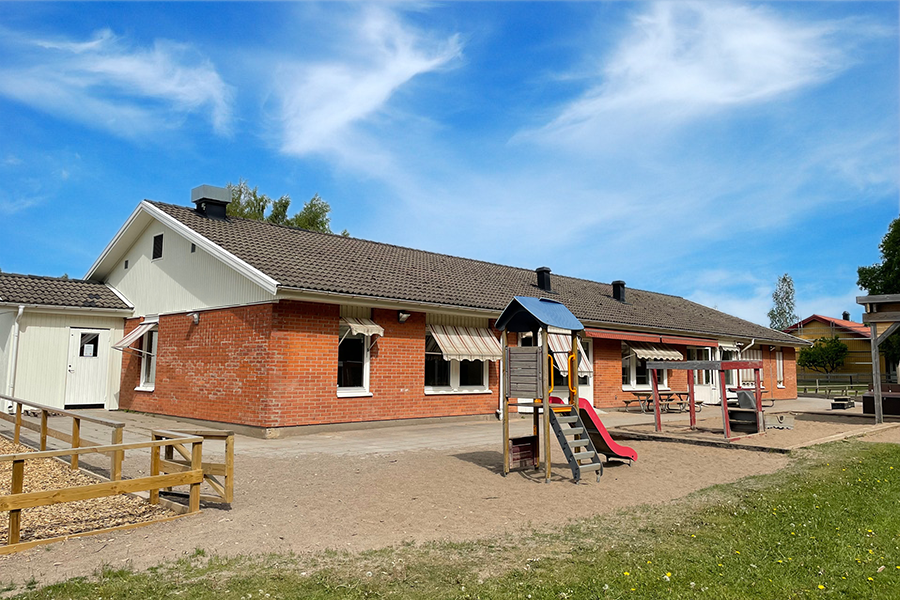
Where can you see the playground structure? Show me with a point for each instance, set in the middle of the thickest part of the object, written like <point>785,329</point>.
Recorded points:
<point>747,417</point>
<point>883,317</point>
<point>528,373</point>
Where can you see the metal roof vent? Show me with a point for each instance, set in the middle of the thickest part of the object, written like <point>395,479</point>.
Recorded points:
<point>211,201</point>
<point>543,278</point>
<point>846,315</point>
<point>619,290</point>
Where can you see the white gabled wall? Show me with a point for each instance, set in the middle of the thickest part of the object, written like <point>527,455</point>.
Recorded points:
<point>181,280</point>
<point>44,356</point>
<point>7,319</point>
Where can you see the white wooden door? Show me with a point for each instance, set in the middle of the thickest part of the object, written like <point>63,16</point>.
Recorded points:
<point>705,387</point>
<point>86,379</point>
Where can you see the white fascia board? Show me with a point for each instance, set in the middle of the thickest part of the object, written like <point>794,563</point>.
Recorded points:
<point>108,251</point>
<point>248,271</point>
<point>121,297</point>
<point>70,310</point>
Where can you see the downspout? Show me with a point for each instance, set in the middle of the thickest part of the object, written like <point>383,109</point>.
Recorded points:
<point>752,343</point>
<point>13,357</point>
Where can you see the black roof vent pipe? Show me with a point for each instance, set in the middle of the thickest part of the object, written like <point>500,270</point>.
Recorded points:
<point>846,316</point>
<point>211,201</point>
<point>619,290</point>
<point>543,278</point>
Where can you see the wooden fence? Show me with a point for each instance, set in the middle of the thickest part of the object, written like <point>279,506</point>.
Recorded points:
<point>18,500</point>
<point>224,489</point>
<point>74,438</point>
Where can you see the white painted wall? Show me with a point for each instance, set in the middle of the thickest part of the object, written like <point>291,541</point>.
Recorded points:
<point>181,280</point>
<point>7,319</point>
<point>43,356</point>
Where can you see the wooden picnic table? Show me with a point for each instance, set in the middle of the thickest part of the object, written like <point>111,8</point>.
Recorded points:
<point>666,400</point>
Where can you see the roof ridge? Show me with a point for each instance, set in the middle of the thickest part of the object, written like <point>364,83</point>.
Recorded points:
<point>51,278</point>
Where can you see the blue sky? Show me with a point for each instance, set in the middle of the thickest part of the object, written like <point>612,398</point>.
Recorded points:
<point>694,148</point>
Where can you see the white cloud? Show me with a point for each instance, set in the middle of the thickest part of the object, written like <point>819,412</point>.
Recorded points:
<point>684,60</point>
<point>105,83</point>
<point>324,104</point>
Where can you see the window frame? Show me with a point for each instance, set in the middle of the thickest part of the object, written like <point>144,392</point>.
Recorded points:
<point>779,369</point>
<point>162,246</point>
<point>149,352</point>
<point>455,387</point>
<point>356,391</point>
<point>633,361</point>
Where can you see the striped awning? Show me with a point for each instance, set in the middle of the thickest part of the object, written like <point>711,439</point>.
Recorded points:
<point>654,351</point>
<point>136,334</point>
<point>466,343</point>
<point>561,346</point>
<point>362,326</point>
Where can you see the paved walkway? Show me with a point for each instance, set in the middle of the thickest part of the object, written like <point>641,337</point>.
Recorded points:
<point>450,435</point>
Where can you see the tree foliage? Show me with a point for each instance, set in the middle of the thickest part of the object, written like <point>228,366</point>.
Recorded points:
<point>248,203</point>
<point>884,278</point>
<point>782,314</point>
<point>826,355</point>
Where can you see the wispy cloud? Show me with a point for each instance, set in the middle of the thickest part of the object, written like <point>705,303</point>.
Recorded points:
<point>107,83</point>
<point>685,60</point>
<point>326,105</point>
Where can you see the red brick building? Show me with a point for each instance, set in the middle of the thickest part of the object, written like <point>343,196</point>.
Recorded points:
<point>245,322</point>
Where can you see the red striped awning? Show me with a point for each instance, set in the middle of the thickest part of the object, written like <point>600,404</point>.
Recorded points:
<point>561,347</point>
<point>466,343</point>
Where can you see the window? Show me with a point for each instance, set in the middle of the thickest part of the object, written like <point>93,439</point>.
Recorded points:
<point>748,378</point>
<point>157,246</point>
<point>89,345</point>
<point>148,360</point>
<point>730,376</point>
<point>353,363</point>
<point>193,248</point>
<point>452,375</point>
<point>779,368</point>
<point>635,373</point>
<point>126,264</point>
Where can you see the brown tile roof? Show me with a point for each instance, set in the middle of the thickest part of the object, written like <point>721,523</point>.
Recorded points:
<point>53,291</point>
<point>308,260</point>
<point>851,326</point>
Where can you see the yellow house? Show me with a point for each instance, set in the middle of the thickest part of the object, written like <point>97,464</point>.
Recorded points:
<point>857,366</point>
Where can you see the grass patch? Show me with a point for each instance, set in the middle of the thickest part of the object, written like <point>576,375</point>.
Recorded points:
<point>827,526</point>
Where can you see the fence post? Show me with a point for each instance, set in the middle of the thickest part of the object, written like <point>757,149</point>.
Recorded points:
<point>18,429</point>
<point>43,429</point>
<point>18,484</point>
<point>229,468</point>
<point>76,442</point>
<point>154,469</point>
<point>115,467</point>
<point>196,464</point>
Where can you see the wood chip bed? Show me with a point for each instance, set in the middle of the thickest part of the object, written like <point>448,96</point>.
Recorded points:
<point>58,520</point>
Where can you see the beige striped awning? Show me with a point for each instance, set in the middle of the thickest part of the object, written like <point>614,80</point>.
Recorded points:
<point>135,335</point>
<point>466,343</point>
<point>363,326</point>
<point>654,351</point>
<point>561,346</point>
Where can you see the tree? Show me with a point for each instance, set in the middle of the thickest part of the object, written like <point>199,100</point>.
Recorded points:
<point>248,203</point>
<point>782,314</point>
<point>884,278</point>
<point>825,356</point>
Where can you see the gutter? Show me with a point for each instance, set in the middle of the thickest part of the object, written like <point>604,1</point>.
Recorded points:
<point>13,358</point>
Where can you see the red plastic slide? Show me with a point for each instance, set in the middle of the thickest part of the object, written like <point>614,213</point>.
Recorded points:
<point>597,431</point>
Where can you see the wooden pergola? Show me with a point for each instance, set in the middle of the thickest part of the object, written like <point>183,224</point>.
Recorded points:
<point>708,365</point>
<point>883,317</point>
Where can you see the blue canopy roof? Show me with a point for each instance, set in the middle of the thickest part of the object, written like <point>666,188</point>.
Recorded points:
<point>524,313</point>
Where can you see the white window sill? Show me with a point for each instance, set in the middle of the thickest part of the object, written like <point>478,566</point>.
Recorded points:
<point>353,394</point>
<point>780,387</point>
<point>452,392</point>
<point>145,388</point>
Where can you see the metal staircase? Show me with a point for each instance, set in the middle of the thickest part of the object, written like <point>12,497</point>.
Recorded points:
<point>575,441</point>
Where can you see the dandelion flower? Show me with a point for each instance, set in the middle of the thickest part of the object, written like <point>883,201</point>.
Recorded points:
<point>821,587</point>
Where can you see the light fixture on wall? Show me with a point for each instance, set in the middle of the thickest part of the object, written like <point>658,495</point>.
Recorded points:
<point>771,348</point>
<point>402,316</point>
<point>195,317</point>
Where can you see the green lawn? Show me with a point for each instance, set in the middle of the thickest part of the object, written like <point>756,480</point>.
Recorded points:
<point>827,526</point>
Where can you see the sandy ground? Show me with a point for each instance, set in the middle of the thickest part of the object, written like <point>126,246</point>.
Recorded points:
<point>313,502</point>
<point>807,428</point>
<point>290,497</point>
